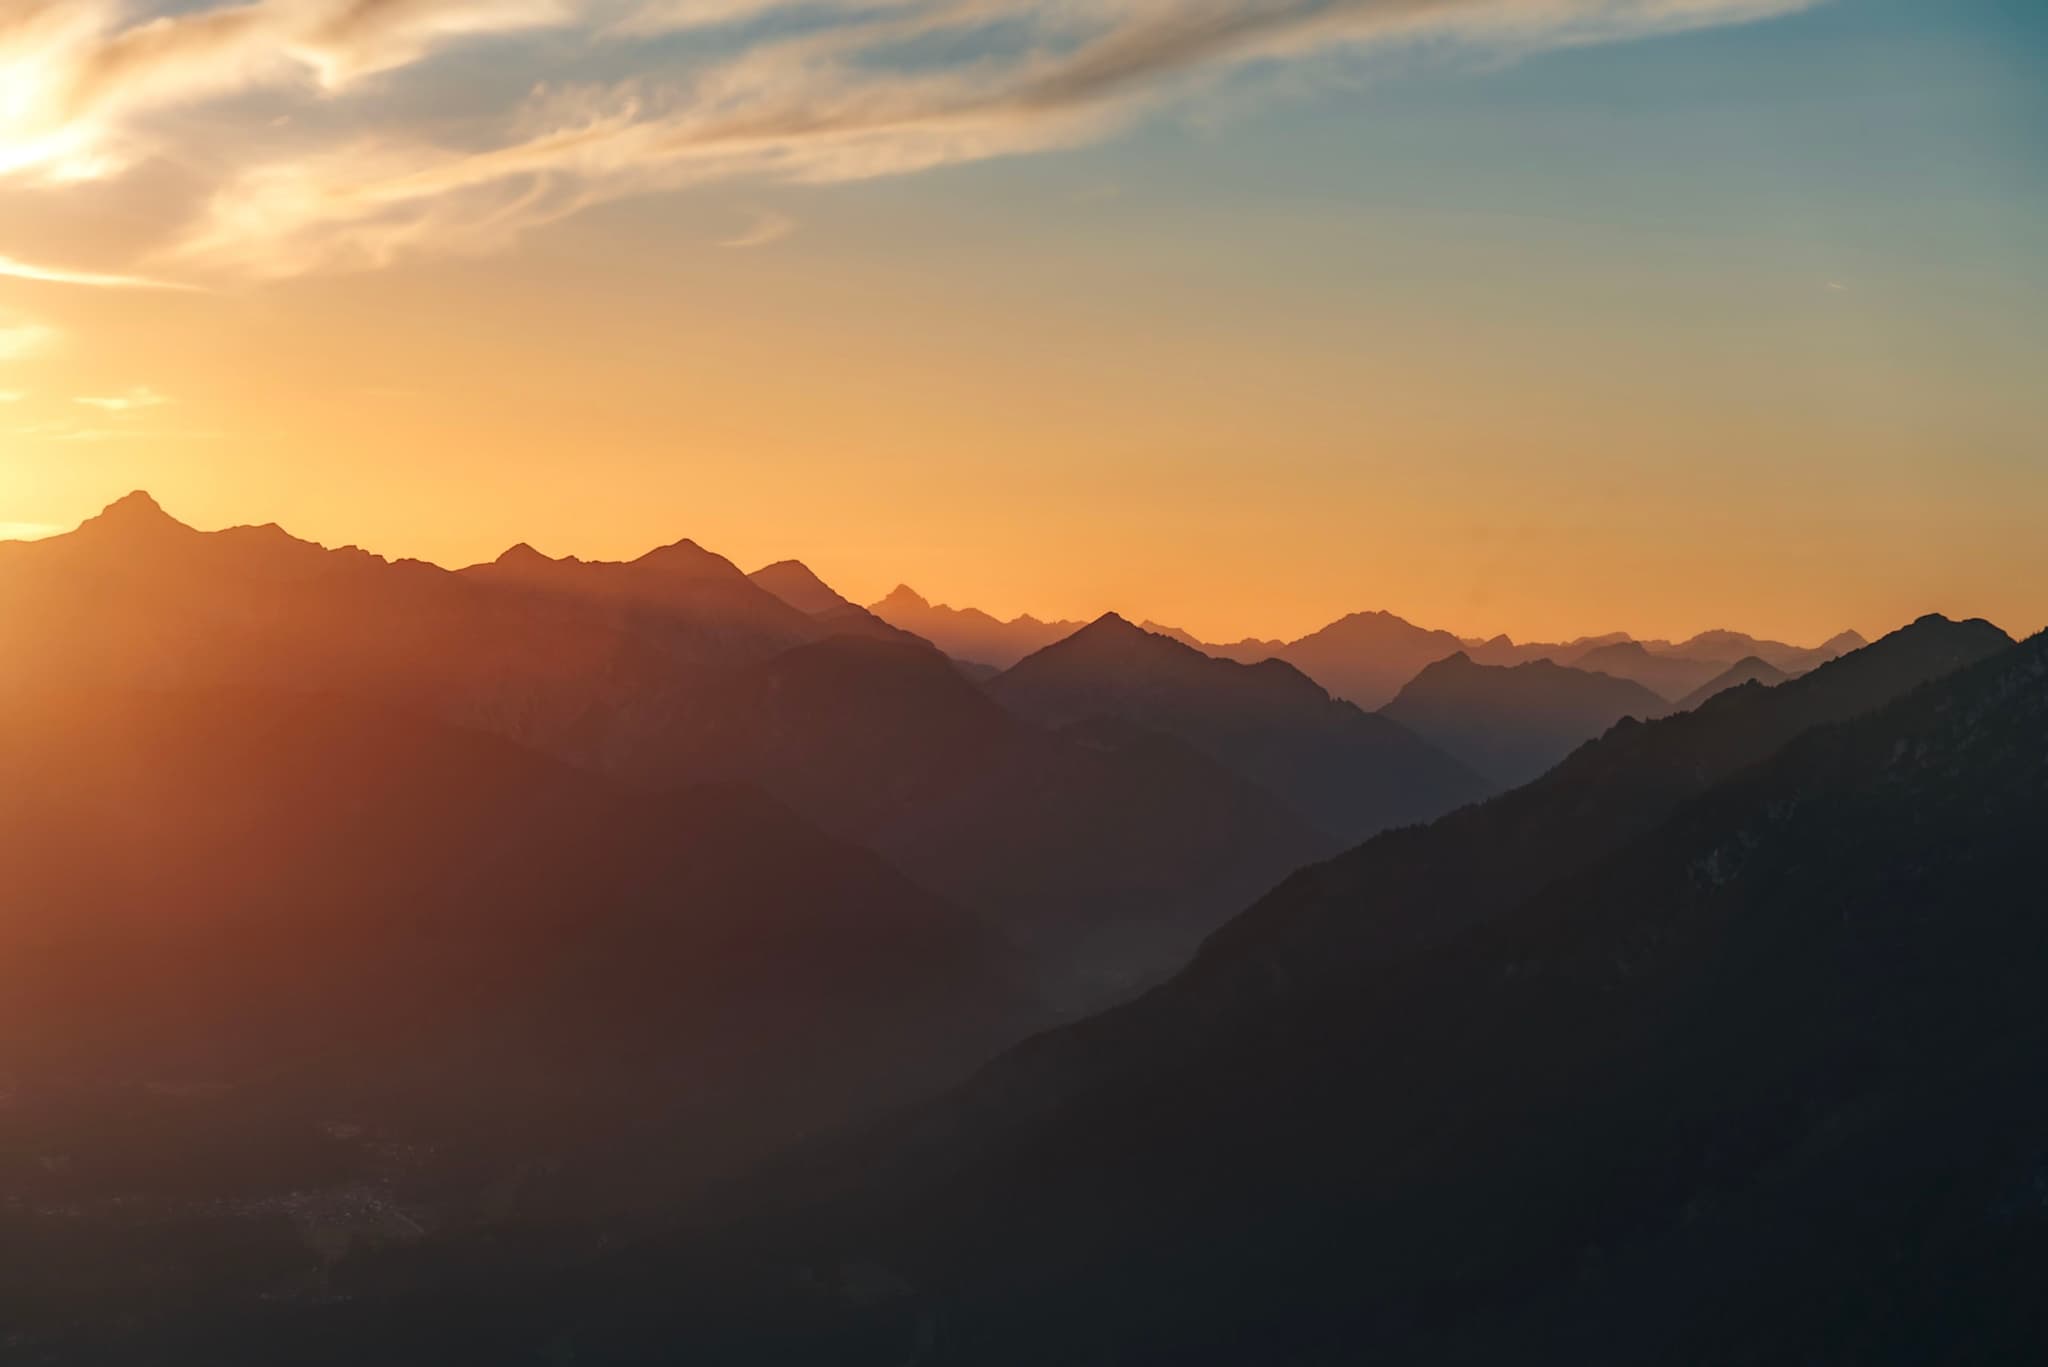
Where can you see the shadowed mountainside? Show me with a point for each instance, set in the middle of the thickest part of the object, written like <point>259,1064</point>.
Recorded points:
<point>1107,851</point>
<point>266,954</point>
<point>1511,723</point>
<point>793,582</point>
<point>1350,773</point>
<point>1545,1079</point>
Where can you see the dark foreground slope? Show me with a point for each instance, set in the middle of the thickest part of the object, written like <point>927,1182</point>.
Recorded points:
<point>1720,1044</point>
<point>286,978</point>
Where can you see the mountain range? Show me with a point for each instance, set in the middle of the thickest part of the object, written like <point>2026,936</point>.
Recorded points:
<point>1712,1045</point>
<point>1368,657</point>
<point>793,582</point>
<point>622,962</point>
<point>1349,772</point>
<point>969,633</point>
<point>1105,852</point>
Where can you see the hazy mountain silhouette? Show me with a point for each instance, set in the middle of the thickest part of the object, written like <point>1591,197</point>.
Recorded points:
<point>1347,771</point>
<point>1513,722</point>
<point>1723,647</point>
<point>1714,1044</point>
<point>1363,658</point>
<point>581,659</point>
<point>1505,650</point>
<point>1249,651</point>
<point>1670,677</point>
<point>793,582</point>
<point>681,580</point>
<point>1750,670</point>
<point>269,953</point>
<point>1108,860</point>
<point>1106,851</point>
<point>1366,657</point>
<point>1731,647</point>
<point>969,633</point>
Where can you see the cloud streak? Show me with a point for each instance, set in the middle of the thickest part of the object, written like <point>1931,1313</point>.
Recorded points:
<point>134,401</point>
<point>767,228</point>
<point>791,92</point>
<point>13,269</point>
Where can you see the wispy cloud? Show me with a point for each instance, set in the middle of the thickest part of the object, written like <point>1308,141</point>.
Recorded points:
<point>133,401</point>
<point>12,395</point>
<point>14,269</point>
<point>793,91</point>
<point>766,228</point>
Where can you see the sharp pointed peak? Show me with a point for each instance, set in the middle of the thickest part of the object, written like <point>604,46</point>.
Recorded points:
<point>906,596</point>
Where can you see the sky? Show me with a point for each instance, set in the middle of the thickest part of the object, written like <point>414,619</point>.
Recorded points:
<point>1540,316</point>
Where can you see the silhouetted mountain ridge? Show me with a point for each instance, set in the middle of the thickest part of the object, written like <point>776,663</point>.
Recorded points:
<point>1511,723</point>
<point>1347,771</point>
<point>1713,1044</point>
<point>793,582</point>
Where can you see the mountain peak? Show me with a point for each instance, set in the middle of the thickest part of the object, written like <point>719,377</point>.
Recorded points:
<point>904,596</point>
<point>134,513</point>
<point>139,502</point>
<point>139,506</point>
<point>523,556</point>
<point>687,557</point>
<point>796,584</point>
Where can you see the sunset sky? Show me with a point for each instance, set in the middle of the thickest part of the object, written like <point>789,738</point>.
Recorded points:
<point>1537,316</point>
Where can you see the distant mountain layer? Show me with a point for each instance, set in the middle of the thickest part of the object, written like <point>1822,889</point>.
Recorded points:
<point>1368,657</point>
<point>1348,772</point>
<point>1670,677</point>
<point>1746,671</point>
<point>793,582</point>
<point>1512,723</point>
<point>969,633</point>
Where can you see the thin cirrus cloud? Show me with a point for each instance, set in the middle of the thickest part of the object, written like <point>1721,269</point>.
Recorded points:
<point>135,400</point>
<point>766,228</point>
<point>13,269</point>
<point>791,91</point>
